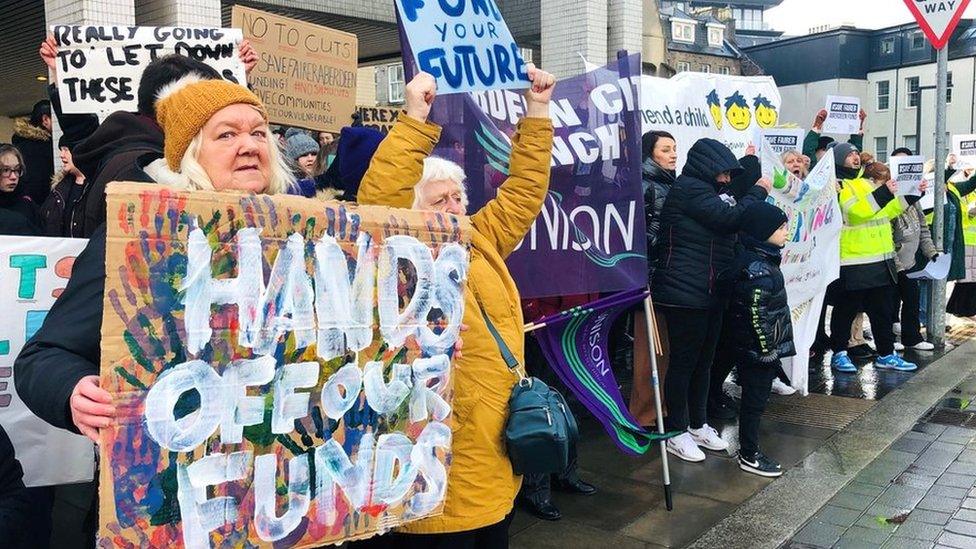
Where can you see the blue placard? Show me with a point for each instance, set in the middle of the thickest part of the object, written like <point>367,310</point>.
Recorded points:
<point>464,44</point>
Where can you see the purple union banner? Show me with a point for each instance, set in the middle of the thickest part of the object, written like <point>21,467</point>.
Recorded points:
<point>590,235</point>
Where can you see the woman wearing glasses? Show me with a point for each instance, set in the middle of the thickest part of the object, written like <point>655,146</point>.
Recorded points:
<point>19,215</point>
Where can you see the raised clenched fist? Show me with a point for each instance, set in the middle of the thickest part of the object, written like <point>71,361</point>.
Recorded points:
<point>418,96</point>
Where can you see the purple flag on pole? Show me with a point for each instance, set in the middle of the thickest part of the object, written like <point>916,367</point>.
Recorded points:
<point>575,343</point>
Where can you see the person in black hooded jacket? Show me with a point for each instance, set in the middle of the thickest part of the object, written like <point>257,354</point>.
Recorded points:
<point>699,223</point>
<point>760,324</point>
<point>32,137</point>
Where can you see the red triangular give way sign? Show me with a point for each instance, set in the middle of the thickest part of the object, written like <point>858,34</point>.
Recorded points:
<point>937,18</point>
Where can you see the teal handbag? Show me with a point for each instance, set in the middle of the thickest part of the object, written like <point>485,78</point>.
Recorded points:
<point>540,427</point>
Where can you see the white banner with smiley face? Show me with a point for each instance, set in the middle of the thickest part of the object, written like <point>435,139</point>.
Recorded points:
<point>693,105</point>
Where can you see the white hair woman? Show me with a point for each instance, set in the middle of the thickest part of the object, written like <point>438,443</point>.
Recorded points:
<point>441,187</point>
<point>217,138</point>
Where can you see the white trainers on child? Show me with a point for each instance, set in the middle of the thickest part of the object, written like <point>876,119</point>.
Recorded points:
<point>685,448</point>
<point>781,388</point>
<point>708,438</point>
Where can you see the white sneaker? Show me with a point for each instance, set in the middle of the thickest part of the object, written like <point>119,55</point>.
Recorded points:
<point>708,438</point>
<point>899,346</point>
<point>781,388</point>
<point>923,346</point>
<point>685,448</point>
<point>896,328</point>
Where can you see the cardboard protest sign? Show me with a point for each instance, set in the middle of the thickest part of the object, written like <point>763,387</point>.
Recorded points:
<point>33,273</point>
<point>378,118</point>
<point>99,66</point>
<point>732,109</point>
<point>280,366</point>
<point>782,140</point>
<point>964,147</point>
<point>811,258</point>
<point>843,115</point>
<point>907,171</point>
<point>306,74</point>
<point>465,46</point>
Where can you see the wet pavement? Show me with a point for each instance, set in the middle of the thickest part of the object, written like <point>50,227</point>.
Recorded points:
<point>919,493</point>
<point>629,511</point>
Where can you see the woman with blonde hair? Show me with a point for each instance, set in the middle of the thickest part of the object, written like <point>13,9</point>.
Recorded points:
<point>796,163</point>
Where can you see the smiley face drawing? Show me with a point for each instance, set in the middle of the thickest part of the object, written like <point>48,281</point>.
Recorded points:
<point>766,115</point>
<point>737,111</point>
<point>715,108</point>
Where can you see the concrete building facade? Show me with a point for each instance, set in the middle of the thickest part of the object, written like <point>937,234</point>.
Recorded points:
<point>889,69</point>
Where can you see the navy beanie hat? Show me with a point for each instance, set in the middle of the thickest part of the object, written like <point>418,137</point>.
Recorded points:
<point>355,150</point>
<point>761,220</point>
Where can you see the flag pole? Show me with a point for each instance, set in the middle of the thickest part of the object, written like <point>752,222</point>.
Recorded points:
<point>651,337</point>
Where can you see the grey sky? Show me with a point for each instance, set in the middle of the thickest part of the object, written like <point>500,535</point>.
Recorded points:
<point>795,17</point>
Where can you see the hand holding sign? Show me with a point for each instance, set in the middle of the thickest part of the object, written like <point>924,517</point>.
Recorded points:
<point>908,174</point>
<point>48,52</point>
<point>91,407</point>
<point>843,115</point>
<point>248,56</point>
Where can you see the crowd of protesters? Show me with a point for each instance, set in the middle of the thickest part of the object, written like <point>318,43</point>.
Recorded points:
<point>713,244</point>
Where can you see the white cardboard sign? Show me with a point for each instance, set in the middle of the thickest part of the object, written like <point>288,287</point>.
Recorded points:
<point>842,115</point>
<point>907,171</point>
<point>964,147</point>
<point>99,66</point>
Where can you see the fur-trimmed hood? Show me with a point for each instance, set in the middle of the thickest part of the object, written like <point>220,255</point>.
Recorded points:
<point>24,129</point>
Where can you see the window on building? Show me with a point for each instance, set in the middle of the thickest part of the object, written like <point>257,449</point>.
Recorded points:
<point>881,149</point>
<point>888,45</point>
<point>909,142</point>
<point>949,87</point>
<point>918,40</point>
<point>706,67</point>
<point>683,66</point>
<point>683,32</point>
<point>715,37</point>
<point>667,4</point>
<point>884,95</point>
<point>723,70</point>
<point>911,84</point>
<point>394,82</point>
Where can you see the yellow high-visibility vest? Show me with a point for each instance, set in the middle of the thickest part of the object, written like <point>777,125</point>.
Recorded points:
<point>866,237</point>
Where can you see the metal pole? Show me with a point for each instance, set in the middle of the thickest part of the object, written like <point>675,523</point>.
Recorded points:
<point>938,301</point>
<point>649,315</point>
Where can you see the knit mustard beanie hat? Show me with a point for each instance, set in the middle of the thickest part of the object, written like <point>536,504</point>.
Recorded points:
<point>185,105</point>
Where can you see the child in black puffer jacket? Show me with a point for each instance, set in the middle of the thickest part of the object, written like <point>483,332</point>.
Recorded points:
<point>762,329</point>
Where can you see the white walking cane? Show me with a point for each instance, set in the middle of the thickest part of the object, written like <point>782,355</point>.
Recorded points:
<point>651,335</point>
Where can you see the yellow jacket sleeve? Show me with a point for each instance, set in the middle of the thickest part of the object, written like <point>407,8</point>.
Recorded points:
<point>505,219</point>
<point>398,163</point>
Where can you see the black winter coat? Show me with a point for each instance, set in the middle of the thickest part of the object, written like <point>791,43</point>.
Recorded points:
<point>759,313</point>
<point>118,150</point>
<point>35,145</point>
<point>15,505</point>
<point>698,229</point>
<point>67,346</point>
<point>19,215</point>
<point>60,211</point>
<point>656,182</point>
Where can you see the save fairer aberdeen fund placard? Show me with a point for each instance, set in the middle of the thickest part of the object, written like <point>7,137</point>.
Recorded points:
<point>306,74</point>
<point>281,368</point>
<point>99,66</point>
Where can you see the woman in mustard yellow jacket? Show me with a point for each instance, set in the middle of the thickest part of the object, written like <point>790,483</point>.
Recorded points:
<point>481,485</point>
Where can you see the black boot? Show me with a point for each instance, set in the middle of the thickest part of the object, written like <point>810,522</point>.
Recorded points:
<point>540,507</point>
<point>574,485</point>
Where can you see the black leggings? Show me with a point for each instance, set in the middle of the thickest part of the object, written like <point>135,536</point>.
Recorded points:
<point>756,380</point>
<point>908,297</point>
<point>877,303</point>
<point>692,336</point>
